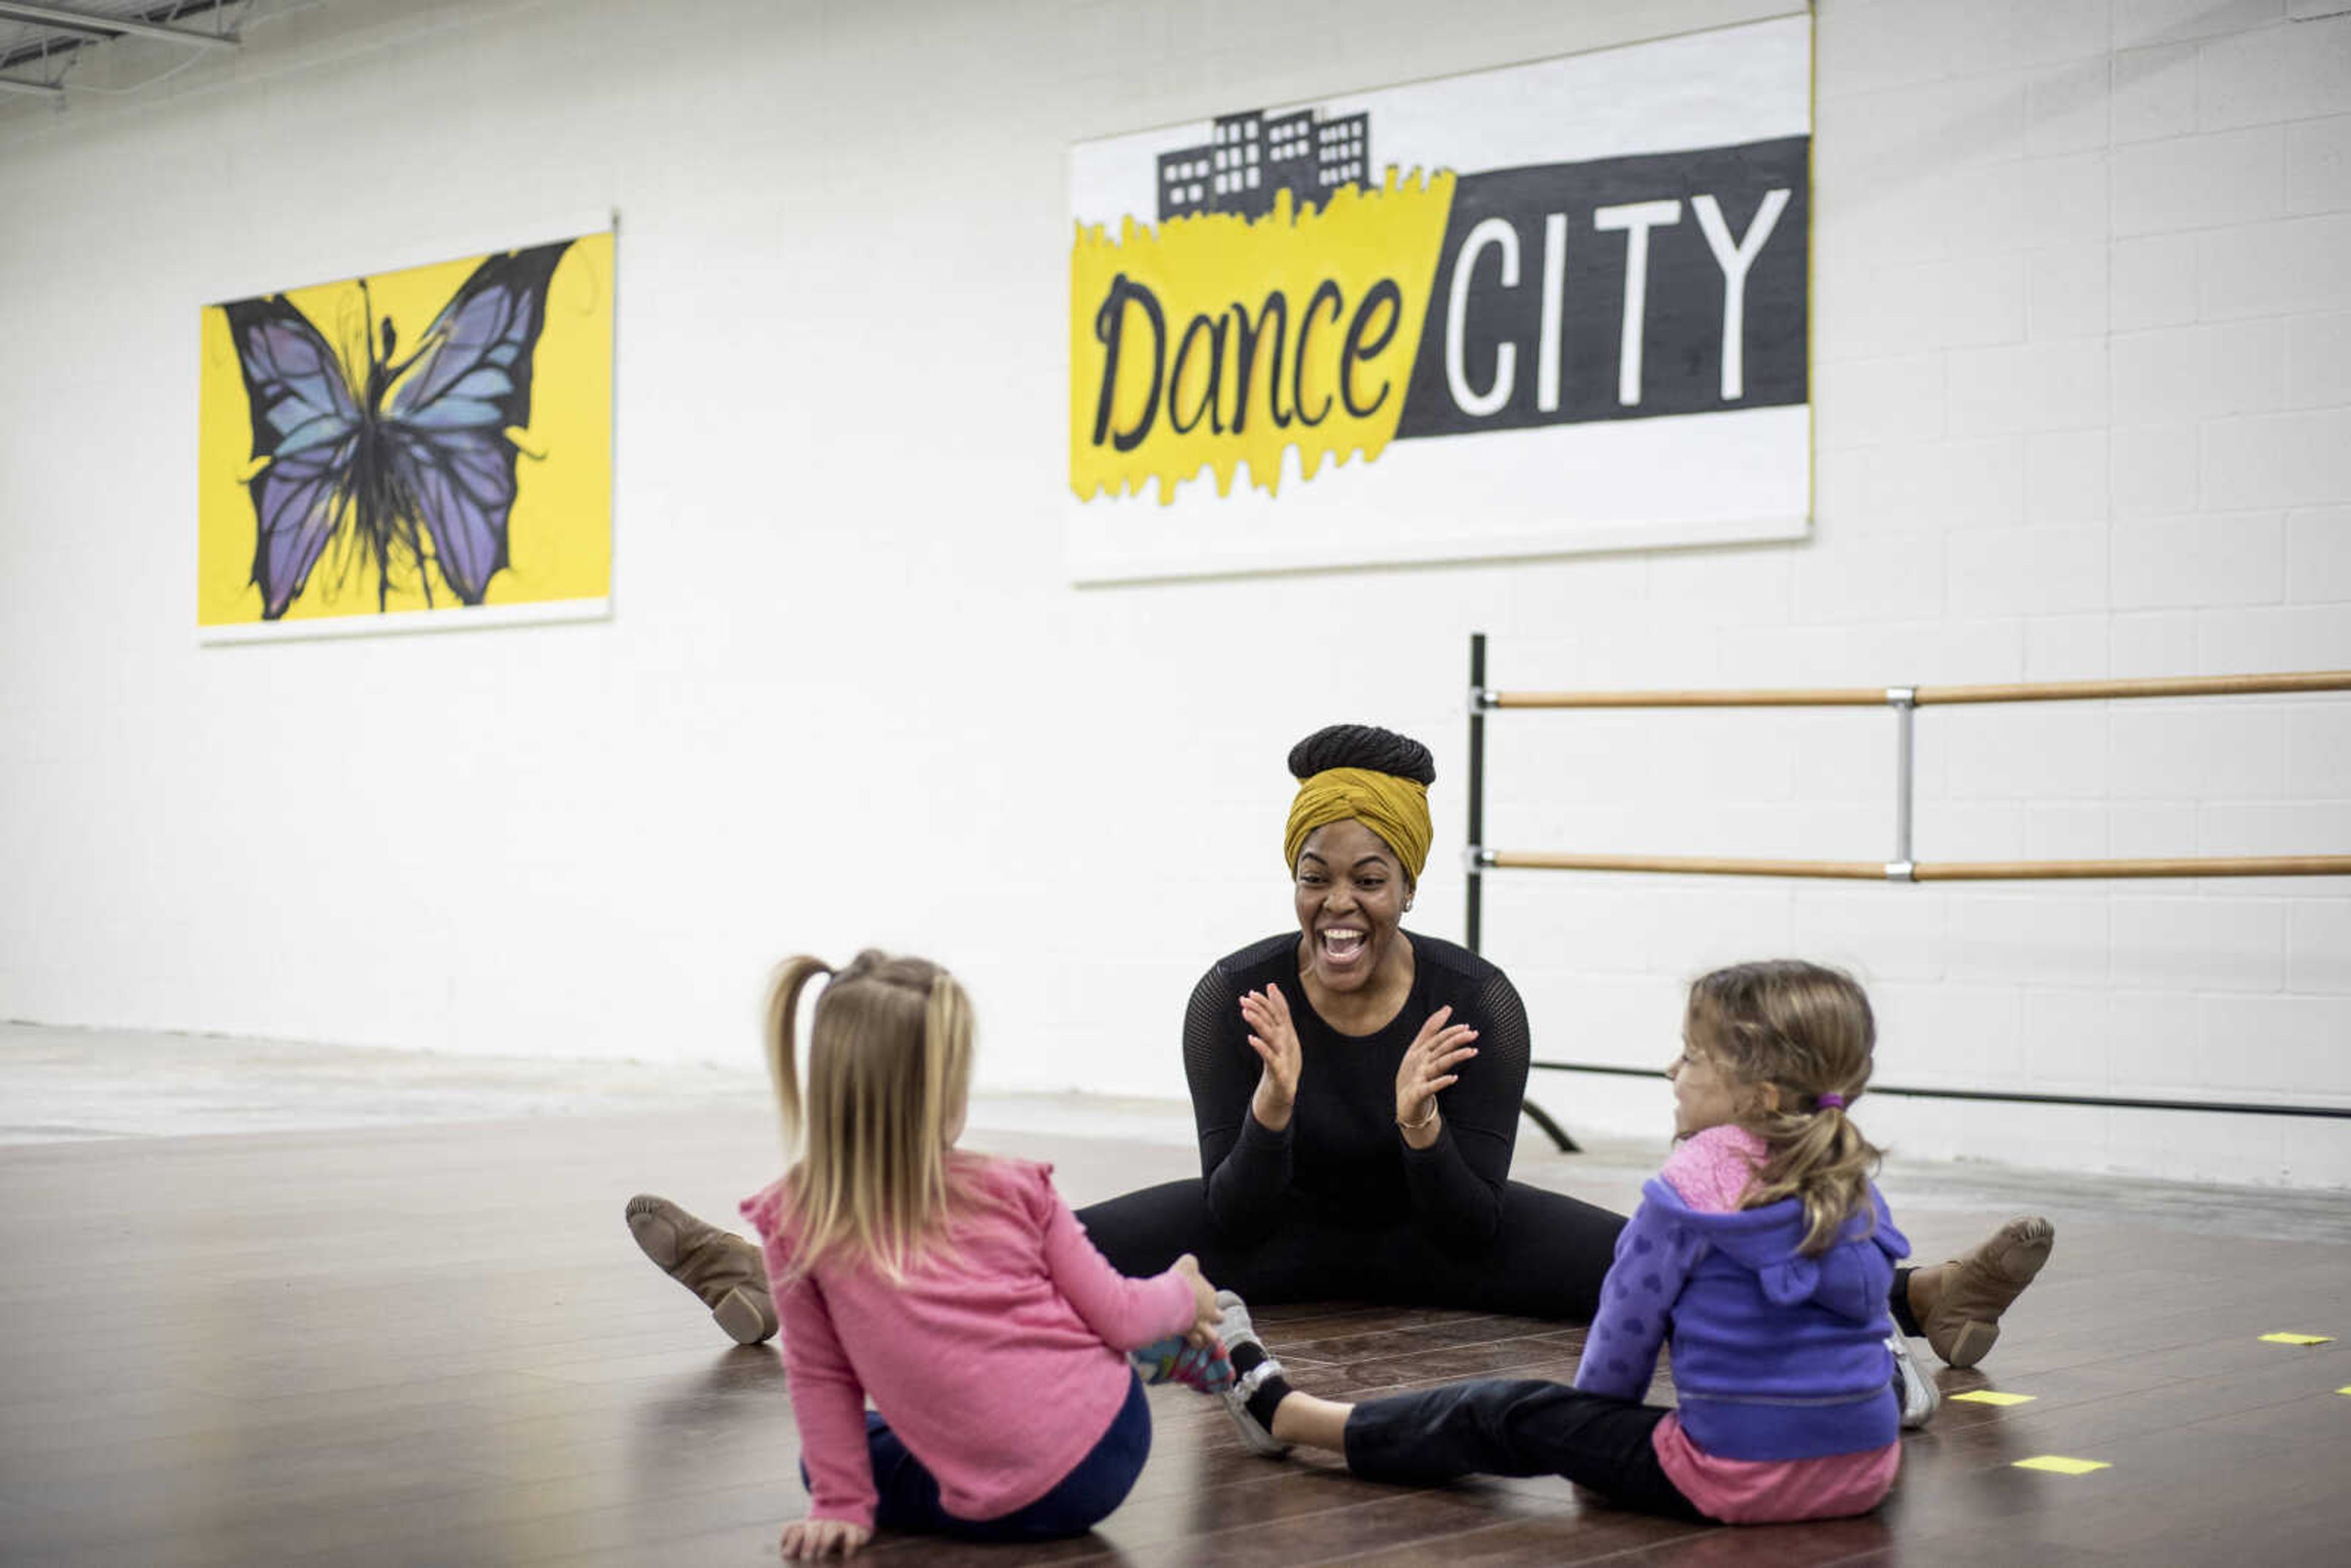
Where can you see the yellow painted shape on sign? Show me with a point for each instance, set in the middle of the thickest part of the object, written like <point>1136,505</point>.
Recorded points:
<point>2297,1339</point>
<point>1988,1397</point>
<point>1215,340</point>
<point>2061,1465</point>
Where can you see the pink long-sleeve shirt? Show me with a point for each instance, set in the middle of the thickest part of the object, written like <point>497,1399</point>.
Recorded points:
<point>999,1359</point>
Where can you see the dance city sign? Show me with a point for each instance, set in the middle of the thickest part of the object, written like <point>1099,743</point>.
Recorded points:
<point>1555,307</point>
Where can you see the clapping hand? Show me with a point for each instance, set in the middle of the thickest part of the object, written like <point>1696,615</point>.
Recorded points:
<point>1275,1039</point>
<point>1429,1065</point>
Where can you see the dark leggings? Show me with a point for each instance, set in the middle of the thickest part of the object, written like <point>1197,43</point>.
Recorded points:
<point>907,1495</point>
<point>1517,1428</point>
<point>1546,1261</point>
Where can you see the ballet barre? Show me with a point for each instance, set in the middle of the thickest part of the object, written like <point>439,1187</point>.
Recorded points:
<point>1902,702</point>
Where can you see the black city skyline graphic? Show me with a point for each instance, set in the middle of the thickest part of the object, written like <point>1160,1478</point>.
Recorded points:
<point>1250,156</point>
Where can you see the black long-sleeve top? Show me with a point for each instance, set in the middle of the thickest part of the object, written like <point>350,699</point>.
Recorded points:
<point>1343,1157</point>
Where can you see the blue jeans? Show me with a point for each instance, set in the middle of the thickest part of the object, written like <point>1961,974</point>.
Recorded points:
<point>908,1494</point>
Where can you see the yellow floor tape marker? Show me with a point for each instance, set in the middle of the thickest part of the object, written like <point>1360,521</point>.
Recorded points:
<point>2063,1466</point>
<point>2297,1339</point>
<point>1987,1397</point>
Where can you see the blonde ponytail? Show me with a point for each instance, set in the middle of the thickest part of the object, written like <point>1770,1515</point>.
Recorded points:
<point>1820,1157</point>
<point>889,1063</point>
<point>1807,1032</point>
<point>783,1010</point>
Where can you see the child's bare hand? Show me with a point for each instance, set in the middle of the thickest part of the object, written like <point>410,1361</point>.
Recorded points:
<point>823,1538</point>
<point>1206,1314</point>
<point>1429,1065</point>
<point>1275,1039</point>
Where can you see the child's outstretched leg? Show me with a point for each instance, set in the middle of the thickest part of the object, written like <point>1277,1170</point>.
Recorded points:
<point>1495,1428</point>
<point>1258,1387</point>
<point>1517,1426</point>
<point>1956,1306</point>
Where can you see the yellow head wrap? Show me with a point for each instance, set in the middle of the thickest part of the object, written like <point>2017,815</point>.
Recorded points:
<point>1396,809</point>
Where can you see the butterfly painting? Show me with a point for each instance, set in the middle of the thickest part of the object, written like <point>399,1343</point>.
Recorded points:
<point>390,447</point>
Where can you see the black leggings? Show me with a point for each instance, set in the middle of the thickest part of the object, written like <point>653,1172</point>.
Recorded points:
<point>1517,1428</point>
<point>1546,1261</point>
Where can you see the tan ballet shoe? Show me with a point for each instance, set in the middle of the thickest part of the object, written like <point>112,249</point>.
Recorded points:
<point>724,1271</point>
<point>1964,1321</point>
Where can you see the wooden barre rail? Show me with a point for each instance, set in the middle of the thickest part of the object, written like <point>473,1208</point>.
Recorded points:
<point>1931,870</point>
<point>1902,702</point>
<point>2184,866</point>
<point>1690,865</point>
<point>1924,696</point>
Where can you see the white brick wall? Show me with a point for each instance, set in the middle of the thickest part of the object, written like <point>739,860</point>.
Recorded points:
<point>2149,476</point>
<point>2200,372</point>
<point>2081,344</point>
<point>2292,267</point>
<point>2222,558</point>
<point>2199,182</point>
<point>2318,556</point>
<point>2059,385</point>
<point>2318,165</point>
<point>2151,281</point>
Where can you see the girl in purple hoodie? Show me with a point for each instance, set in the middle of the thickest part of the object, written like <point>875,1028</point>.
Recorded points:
<point>1762,1250</point>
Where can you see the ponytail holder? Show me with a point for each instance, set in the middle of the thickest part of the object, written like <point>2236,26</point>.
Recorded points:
<point>1829,1102</point>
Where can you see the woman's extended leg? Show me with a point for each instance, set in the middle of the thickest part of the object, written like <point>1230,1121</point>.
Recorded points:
<point>725,1272</point>
<point>1141,1233</point>
<point>1546,1261</point>
<point>1956,1306</point>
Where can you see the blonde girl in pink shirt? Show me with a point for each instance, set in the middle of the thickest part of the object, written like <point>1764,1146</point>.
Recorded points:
<point>956,1291</point>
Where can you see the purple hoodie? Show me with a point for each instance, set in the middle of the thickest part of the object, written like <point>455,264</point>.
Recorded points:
<point>1776,1355</point>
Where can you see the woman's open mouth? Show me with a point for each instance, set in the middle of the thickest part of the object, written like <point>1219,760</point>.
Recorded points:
<point>1343,946</point>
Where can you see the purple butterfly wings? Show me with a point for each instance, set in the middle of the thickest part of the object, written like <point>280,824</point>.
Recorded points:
<point>385,454</point>
<point>305,421</point>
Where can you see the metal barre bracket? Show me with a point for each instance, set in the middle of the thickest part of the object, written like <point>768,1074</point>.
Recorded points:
<point>1901,871</point>
<point>1904,701</point>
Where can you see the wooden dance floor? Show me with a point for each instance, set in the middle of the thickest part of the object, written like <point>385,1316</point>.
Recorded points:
<point>435,1344</point>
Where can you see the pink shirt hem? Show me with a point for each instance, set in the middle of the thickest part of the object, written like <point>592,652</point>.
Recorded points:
<point>1775,1491</point>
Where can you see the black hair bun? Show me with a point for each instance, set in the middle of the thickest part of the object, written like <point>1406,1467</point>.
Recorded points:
<point>1364,745</point>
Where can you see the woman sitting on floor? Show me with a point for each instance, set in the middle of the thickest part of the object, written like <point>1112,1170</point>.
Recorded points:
<point>1371,1161</point>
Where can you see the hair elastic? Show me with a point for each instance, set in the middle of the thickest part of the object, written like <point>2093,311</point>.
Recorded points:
<point>1827,1101</point>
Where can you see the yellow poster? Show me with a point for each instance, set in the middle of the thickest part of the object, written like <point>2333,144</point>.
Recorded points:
<point>421,448</point>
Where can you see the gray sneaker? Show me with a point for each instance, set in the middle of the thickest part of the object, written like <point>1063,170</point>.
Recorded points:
<point>1921,1398</point>
<point>1236,1329</point>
